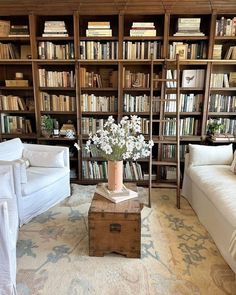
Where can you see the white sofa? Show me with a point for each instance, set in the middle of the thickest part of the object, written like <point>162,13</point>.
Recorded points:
<point>8,231</point>
<point>44,183</point>
<point>210,187</point>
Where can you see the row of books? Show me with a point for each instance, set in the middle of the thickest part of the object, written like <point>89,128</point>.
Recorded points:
<point>187,126</point>
<point>188,51</point>
<point>142,49</point>
<point>56,78</point>
<point>98,50</point>
<point>169,151</point>
<point>139,103</point>
<point>15,124</point>
<point>222,103</point>
<point>53,102</point>
<point>188,102</point>
<point>229,124</point>
<point>9,30</point>
<point>49,50</point>
<point>143,29</point>
<point>9,51</point>
<point>220,80</point>
<point>230,53</point>
<point>104,78</point>
<point>99,29</point>
<point>91,125</point>
<point>225,26</point>
<point>168,173</point>
<point>98,170</point>
<point>93,103</point>
<point>135,79</point>
<point>12,103</point>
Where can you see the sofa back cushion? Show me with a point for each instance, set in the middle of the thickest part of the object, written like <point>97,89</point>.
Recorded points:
<point>48,159</point>
<point>11,150</point>
<point>233,165</point>
<point>200,155</point>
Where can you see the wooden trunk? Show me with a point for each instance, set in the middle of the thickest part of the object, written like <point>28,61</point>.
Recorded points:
<point>114,227</point>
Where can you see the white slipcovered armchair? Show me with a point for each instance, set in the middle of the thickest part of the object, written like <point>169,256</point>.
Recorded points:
<point>41,175</point>
<point>8,231</point>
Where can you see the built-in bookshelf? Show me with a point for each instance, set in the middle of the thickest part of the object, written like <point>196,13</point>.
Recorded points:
<point>81,68</point>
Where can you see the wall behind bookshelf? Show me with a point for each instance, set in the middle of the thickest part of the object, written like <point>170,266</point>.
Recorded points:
<point>98,76</point>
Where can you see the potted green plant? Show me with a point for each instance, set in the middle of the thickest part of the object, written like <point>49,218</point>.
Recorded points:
<point>214,127</point>
<point>46,125</point>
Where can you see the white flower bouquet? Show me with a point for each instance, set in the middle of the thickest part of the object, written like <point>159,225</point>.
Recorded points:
<point>122,141</point>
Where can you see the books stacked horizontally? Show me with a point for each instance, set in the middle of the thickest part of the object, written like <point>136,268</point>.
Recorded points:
<point>143,29</point>
<point>99,29</point>
<point>222,137</point>
<point>55,29</point>
<point>19,31</point>
<point>116,197</point>
<point>189,27</point>
<point>217,51</point>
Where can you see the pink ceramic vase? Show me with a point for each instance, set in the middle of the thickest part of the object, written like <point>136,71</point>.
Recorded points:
<point>115,175</point>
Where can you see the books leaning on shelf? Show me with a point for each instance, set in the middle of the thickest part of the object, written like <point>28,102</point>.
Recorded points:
<point>143,29</point>
<point>232,79</point>
<point>189,27</point>
<point>99,29</point>
<point>225,27</point>
<point>116,197</point>
<point>230,53</point>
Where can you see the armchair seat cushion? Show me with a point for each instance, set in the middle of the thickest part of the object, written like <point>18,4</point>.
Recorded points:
<point>41,177</point>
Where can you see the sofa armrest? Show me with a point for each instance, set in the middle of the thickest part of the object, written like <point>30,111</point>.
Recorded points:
<point>50,148</point>
<point>15,171</point>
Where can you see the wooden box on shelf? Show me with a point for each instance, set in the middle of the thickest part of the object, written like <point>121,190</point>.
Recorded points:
<point>114,227</point>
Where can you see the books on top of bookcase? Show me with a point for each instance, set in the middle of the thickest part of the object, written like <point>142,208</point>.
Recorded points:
<point>222,137</point>
<point>55,29</point>
<point>99,29</point>
<point>189,26</point>
<point>143,29</point>
<point>116,197</point>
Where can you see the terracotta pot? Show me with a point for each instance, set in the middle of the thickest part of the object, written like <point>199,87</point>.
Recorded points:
<point>46,133</point>
<point>115,175</point>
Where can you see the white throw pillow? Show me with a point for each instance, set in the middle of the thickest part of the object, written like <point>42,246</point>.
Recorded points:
<point>210,155</point>
<point>44,159</point>
<point>233,165</point>
<point>6,191</point>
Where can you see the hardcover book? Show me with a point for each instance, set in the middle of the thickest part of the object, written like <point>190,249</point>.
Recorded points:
<point>116,197</point>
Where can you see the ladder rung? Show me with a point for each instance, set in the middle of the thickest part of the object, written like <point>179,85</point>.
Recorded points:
<point>164,80</point>
<point>162,120</point>
<point>164,185</point>
<point>164,163</point>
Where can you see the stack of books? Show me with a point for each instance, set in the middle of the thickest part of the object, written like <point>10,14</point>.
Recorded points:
<point>189,27</point>
<point>99,29</point>
<point>143,29</point>
<point>55,29</point>
<point>222,137</point>
<point>19,31</point>
<point>116,197</point>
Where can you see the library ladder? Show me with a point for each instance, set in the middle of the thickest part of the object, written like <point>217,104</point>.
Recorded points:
<point>168,130</point>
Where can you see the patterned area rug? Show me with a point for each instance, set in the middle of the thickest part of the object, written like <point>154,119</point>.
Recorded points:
<point>178,255</point>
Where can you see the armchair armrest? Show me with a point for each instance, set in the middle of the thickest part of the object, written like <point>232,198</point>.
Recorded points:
<point>14,169</point>
<point>49,148</point>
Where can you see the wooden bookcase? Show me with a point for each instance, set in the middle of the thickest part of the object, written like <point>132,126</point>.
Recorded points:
<point>83,60</point>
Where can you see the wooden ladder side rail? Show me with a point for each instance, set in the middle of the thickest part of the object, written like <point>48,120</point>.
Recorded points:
<point>178,131</point>
<point>150,133</point>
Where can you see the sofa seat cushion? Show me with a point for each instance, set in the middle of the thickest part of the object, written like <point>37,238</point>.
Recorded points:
<point>40,177</point>
<point>219,185</point>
